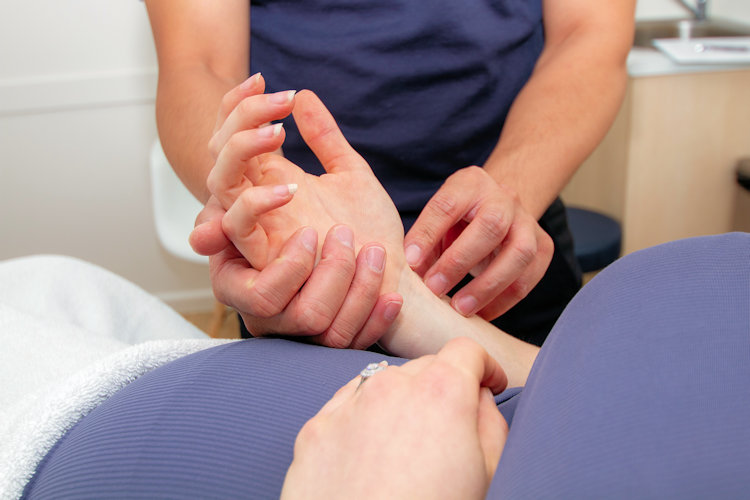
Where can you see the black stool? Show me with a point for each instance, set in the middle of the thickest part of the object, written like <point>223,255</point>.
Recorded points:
<point>597,239</point>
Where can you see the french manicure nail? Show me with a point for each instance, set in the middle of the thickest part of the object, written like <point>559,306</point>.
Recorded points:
<point>413,253</point>
<point>466,305</point>
<point>375,258</point>
<point>250,82</point>
<point>438,283</point>
<point>283,190</point>
<point>345,235</point>
<point>270,130</point>
<point>283,97</point>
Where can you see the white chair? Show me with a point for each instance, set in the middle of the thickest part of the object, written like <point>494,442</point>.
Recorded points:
<point>175,210</point>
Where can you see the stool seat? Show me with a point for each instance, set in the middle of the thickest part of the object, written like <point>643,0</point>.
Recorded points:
<point>597,239</point>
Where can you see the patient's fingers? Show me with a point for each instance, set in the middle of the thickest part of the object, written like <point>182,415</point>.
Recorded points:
<point>240,223</point>
<point>359,302</point>
<point>254,85</point>
<point>227,179</point>
<point>249,113</point>
<point>322,134</point>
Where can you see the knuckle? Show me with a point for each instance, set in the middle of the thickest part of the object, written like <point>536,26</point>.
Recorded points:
<point>339,336</point>
<point>264,301</point>
<point>492,224</point>
<point>444,205</point>
<point>316,316</point>
<point>525,253</point>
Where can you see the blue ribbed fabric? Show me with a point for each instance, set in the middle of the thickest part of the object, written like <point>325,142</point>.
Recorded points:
<point>643,388</point>
<point>642,391</point>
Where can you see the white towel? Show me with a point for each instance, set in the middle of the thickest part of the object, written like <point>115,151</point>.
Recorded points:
<point>71,335</point>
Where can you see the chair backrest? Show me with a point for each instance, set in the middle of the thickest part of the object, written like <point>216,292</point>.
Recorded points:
<point>174,207</point>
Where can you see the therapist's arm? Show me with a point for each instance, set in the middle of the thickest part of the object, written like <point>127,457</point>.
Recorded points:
<point>203,52</point>
<point>556,121</point>
<point>569,102</point>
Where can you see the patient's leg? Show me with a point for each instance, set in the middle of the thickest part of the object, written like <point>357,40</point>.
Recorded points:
<point>643,387</point>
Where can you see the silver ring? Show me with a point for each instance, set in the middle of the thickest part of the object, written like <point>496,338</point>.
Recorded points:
<point>371,370</point>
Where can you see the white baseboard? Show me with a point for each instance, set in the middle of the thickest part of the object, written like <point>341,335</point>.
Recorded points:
<point>189,301</point>
<point>49,93</point>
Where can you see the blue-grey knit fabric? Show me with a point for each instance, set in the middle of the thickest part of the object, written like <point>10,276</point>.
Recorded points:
<point>643,390</point>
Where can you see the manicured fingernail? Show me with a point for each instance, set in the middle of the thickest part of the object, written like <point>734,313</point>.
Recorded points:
<point>375,258</point>
<point>391,310</point>
<point>282,97</point>
<point>466,305</point>
<point>309,239</point>
<point>413,254</point>
<point>250,82</point>
<point>438,283</point>
<point>345,235</point>
<point>270,130</point>
<point>283,190</point>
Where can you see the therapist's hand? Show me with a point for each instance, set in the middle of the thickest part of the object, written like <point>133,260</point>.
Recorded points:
<point>475,225</point>
<point>339,304</point>
<point>427,429</point>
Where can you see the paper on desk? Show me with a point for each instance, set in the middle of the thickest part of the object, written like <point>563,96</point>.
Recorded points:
<point>716,50</point>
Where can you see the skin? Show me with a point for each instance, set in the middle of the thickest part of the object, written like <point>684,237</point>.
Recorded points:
<point>470,224</point>
<point>426,322</point>
<point>344,452</point>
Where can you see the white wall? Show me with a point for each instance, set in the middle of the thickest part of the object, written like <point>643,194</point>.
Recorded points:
<point>77,87</point>
<point>77,82</point>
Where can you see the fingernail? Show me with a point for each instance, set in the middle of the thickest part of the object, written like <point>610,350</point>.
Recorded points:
<point>391,310</point>
<point>438,283</point>
<point>250,82</point>
<point>309,239</point>
<point>283,190</point>
<point>375,258</point>
<point>466,305</point>
<point>270,130</point>
<point>284,97</point>
<point>345,235</point>
<point>413,253</point>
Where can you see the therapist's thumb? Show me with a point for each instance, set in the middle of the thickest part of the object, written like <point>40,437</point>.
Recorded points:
<point>207,237</point>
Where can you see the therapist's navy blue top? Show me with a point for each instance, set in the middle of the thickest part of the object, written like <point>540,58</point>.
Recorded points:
<point>420,89</point>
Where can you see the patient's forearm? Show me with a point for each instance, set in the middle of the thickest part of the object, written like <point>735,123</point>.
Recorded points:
<point>427,322</point>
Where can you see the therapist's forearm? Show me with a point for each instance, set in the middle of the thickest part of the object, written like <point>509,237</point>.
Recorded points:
<point>558,119</point>
<point>186,108</point>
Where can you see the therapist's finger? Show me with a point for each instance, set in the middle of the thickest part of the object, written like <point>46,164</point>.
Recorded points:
<point>265,294</point>
<point>381,318</point>
<point>227,179</point>
<point>252,112</point>
<point>519,265</point>
<point>317,304</point>
<point>240,223</point>
<point>321,133</point>
<point>359,302</point>
<point>207,237</point>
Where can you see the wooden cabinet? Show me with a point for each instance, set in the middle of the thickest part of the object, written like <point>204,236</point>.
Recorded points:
<point>666,169</point>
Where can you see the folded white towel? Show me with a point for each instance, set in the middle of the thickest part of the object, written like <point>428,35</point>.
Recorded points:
<point>71,335</point>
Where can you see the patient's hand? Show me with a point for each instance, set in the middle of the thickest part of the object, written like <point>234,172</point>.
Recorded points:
<point>348,194</point>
